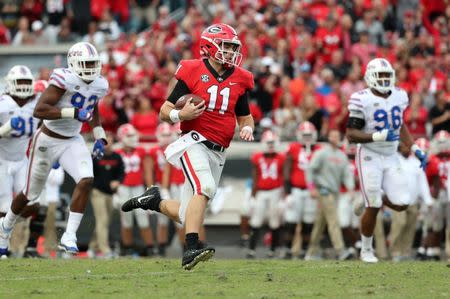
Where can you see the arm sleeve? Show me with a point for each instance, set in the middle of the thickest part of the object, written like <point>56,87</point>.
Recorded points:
<point>313,166</point>
<point>242,108</point>
<point>120,169</point>
<point>58,79</point>
<point>178,91</point>
<point>355,108</point>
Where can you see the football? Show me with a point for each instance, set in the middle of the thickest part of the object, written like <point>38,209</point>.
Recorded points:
<point>183,99</point>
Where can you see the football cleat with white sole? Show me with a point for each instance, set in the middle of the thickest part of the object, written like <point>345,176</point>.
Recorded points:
<point>358,206</point>
<point>368,256</point>
<point>149,200</point>
<point>68,244</point>
<point>193,256</point>
<point>5,235</point>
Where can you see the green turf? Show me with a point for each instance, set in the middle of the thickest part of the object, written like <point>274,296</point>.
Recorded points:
<point>151,278</point>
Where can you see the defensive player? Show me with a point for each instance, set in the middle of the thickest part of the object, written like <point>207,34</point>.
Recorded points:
<point>70,100</point>
<point>301,208</point>
<point>137,172</point>
<point>267,191</point>
<point>17,125</point>
<point>207,128</point>
<point>376,122</point>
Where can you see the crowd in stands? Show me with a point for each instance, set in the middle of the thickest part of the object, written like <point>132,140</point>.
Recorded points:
<point>307,56</point>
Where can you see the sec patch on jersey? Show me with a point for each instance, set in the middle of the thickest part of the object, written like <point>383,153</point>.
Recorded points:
<point>183,100</point>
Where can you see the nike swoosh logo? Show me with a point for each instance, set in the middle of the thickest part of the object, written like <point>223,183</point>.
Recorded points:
<point>233,83</point>
<point>143,197</point>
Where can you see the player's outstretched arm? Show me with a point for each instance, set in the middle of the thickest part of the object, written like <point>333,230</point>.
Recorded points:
<point>408,140</point>
<point>46,106</point>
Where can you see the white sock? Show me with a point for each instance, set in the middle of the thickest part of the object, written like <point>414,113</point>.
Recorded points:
<point>10,220</point>
<point>366,242</point>
<point>73,223</point>
<point>421,250</point>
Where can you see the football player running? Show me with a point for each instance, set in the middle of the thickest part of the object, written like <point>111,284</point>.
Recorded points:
<point>70,100</point>
<point>207,129</point>
<point>17,125</point>
<point>376,123</point>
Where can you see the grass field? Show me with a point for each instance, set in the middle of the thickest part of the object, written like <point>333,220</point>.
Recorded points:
<point>153,278</point>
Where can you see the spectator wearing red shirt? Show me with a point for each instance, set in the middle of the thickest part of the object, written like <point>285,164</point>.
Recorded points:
<point>108,114</point>
<point>145,120</point>
<point>416,116</point>
<point>5,36</point>
<point>32,10</point>
<point>328,39</point>
<point>363,49</point>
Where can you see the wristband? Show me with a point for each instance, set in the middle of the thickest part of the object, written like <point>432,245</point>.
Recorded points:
<point>415,147</point>
<point>174,115</point>
<point>379,136</point>
<point>99,133</point>
<point>68,113</point>
<point>248,128</point>
<point>5,129</point>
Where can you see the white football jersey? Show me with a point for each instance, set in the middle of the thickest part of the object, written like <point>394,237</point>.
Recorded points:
<point>79,94</point>
<point>14,146</point>
<point>379,113</point>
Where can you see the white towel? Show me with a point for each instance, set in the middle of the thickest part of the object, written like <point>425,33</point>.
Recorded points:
<point>177,148</point>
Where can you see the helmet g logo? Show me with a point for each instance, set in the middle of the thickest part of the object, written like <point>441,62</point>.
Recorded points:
<point>214,29</point>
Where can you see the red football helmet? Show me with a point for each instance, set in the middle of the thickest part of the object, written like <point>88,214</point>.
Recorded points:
<point>306,133</point>
<point>270,141</point>
<point>164,134</point>
<point>423,143</point>
<point>441,142</point>
<point>40,86</point>
<point>128,135</point>
<point>221,43</point>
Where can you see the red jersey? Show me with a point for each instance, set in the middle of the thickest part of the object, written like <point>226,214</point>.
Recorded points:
<point>134,166</point>
<point>221,94</point>
<point>444,168</point>
<point>156,153</point>
<point>269,170</point>
<point>176,175</point>
<point>300,160</point>
<point>432,169</point>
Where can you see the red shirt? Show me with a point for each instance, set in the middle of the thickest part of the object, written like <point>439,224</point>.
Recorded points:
<point>176,175</point>
<point>269,170</point>
<point>416,127</point>
<point>134,166</point>
<point>146,123</point>
<point>218,121</point>
<point>156,153</point>
<point>300,160</point>
<point>331,41</point>
<point>432,169</point>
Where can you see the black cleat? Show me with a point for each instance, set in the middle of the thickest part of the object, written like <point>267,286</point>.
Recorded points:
<point>193,256</point>
<point>149,200</point>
